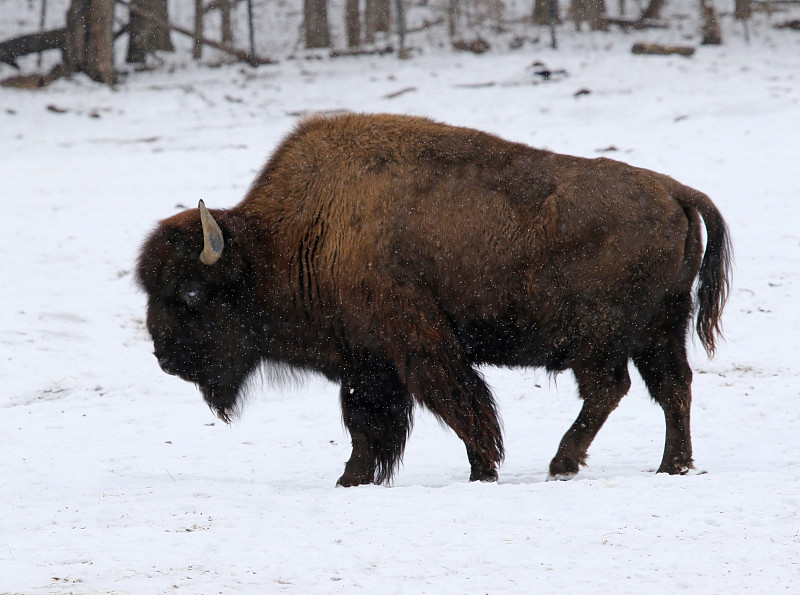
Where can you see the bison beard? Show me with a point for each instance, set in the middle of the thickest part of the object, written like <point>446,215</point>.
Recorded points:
<point>394,254</point>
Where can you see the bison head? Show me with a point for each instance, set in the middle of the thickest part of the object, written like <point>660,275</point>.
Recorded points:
<point>199,309</point>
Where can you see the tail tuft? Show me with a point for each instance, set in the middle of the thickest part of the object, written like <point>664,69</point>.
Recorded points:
<point>713,284</point>
<point>714,279</point>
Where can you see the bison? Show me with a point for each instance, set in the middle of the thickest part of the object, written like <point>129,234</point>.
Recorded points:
<point>394,254</point>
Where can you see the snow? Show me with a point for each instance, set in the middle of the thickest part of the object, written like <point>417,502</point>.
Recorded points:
<point>117,478</point>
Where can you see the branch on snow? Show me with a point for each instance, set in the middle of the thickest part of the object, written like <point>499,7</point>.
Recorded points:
<point>32,43</point>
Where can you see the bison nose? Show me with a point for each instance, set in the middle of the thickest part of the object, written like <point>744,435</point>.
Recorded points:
<point>165,362</point>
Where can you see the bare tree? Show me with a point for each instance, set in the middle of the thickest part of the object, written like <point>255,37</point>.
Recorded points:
<point>653,10</point>
<point>377,18</point>
<point>352,23</point>
<point>199,13</point>
<point>591,11</point>
<point>315,24</point>
<point>145,35</point>
<point>225,8</point>
<point>743,10</point>
<point>709,28</point>
<point>541,12</point>
<point>89,43</point>
<point>452,18</point>
<point>198,37</point>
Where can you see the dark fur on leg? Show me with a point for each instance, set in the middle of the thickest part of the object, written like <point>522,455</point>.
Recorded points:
<point>459,398</point>
<point>664,367</point>
<point>439,375</point>
<point>601,387</point>
<point>377,411</point>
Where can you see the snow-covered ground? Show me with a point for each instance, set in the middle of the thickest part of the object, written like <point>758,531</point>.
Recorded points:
<point>116,478</point>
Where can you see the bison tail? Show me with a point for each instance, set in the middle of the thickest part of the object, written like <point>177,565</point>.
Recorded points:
<point>714,280</point>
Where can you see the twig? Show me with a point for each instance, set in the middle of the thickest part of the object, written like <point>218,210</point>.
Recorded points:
<point>399,93</point>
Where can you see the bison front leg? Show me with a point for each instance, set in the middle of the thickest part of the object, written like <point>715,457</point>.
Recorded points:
<point>431,363</point>
<point>377,410</point>
<point>601,389</point>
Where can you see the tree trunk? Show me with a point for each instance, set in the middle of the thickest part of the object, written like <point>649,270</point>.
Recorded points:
<point>400,11</point>
<point>42,20</point>
<point>653,10</point>
<point>592,11</point>
<point>743,10</point>
<point>199,13</point>
<point>90,39</point>
<point>315,21</point>
<point>452,18</point>
<point>597,15</point>
<point>226,26</point>
<point>541,12</point>
<point>145,36</point>
<point>352,23</point>
<point>709,29</point>
<point>378,18</point>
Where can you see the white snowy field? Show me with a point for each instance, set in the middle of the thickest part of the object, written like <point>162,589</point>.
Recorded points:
<point>116,478</point>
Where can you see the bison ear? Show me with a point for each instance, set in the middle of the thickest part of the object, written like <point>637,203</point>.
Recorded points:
<point>213,243</point>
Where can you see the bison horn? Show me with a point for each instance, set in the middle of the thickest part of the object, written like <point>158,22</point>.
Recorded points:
<point>212,237</point>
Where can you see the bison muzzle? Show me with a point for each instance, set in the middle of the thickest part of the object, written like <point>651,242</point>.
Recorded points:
<point>394,254</point>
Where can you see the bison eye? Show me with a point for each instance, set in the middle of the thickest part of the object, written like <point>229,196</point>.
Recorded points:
<point>192,294</point>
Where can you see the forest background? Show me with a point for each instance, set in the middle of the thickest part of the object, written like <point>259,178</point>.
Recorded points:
<point>92,36</point>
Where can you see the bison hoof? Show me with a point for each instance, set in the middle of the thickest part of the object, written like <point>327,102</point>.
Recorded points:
<point>676,469</point>
<point>564,468</point>
<point>484,476</point>
<point>560,476</point>
<point>676,464</point>
<point>346,481</point>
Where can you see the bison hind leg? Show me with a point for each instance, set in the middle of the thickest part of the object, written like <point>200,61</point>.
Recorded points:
<point>377,411</point>
<point>662,362</point>
<point>601,385</point>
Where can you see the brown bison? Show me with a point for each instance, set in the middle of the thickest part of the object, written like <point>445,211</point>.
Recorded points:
<point>394,254</point>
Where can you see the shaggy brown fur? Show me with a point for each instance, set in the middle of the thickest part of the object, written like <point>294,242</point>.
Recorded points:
<point>393,254</point>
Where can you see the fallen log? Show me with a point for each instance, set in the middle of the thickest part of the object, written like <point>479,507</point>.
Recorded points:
<point>32,43</point>
<point>477,46</point>
<point>361,52</point>
<point>656,49</point>
<point>36,80</point>
<point>795,24</point>
<point>626,24</point>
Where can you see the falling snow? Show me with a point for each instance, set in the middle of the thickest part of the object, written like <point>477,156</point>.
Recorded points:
<point>117,479</point>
